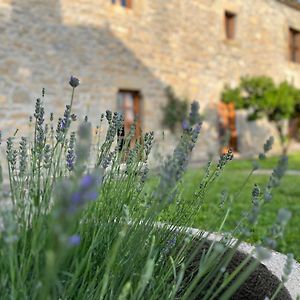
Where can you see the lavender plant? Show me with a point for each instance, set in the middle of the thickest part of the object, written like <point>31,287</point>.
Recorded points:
<point>83,222</point>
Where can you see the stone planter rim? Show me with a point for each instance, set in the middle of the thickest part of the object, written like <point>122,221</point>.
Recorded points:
<point>274,264</point>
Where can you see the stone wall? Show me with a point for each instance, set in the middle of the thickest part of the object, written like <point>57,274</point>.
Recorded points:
<point>154,44</point>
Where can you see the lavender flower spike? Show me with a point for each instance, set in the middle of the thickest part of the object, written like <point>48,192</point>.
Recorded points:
<point>74,240</point>
<point>87,181</point>
<point>185,125</point>
<point>74,82</point>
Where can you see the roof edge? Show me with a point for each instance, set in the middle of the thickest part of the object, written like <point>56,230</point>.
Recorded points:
<point>291,3</point>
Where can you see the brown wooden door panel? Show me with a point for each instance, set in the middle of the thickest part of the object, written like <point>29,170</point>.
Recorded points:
<point>130,105</point>
<point>227,124</point>
<point>129,3</point>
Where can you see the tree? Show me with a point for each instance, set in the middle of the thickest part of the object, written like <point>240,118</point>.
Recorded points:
<point>264,98</point>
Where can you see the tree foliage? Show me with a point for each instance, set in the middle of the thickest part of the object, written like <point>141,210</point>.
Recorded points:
<point>263,98</point>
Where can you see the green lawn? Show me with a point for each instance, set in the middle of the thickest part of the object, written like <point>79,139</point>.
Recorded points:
<point>287,195</point>
<point>246,164</point>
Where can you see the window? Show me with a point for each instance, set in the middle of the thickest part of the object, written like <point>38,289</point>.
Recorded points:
<point>129,104</point>
<point>230,25</point>
<point>124,3</point>
<point>294,45</point>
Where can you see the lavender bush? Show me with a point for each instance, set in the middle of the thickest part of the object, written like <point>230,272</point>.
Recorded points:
<point>83,222</point>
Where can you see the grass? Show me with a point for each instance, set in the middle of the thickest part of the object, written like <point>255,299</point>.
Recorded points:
<point>287,195</point>
<point>246,164</point>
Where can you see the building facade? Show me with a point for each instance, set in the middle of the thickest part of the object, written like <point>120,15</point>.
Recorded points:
<point>126,52</point>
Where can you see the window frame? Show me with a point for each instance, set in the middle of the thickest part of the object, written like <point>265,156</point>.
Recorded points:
<point>294,45</point>
<point>123,3</point>
<point>230,21</point>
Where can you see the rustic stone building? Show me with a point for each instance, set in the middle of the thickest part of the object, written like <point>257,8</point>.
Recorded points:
<point>127,51</point>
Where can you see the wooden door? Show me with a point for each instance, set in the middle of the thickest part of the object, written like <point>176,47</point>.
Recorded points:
<point>227,127</point>
<point>129,103</point>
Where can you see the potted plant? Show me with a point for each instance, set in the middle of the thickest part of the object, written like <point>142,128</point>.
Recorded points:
<point>94,223</point>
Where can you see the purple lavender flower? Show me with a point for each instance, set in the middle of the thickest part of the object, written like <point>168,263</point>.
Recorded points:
<point>70,160</point>
<point>169,246</point>
<point>65,123</point>
<point>86,192</point>
<point>198,128</point>
<point>87,181</point>
<point>194,116</point>
<point>91,196</point>
<point>172,242</point>
<point>76,195</point>
<point>185,125</point>
<point>74,240</point>
<point>76,198</point>
<point>74,82</point>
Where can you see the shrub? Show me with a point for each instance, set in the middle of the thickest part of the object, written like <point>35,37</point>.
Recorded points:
<point>83,224</point>
<point>175,111</point>
<point>230,95</point>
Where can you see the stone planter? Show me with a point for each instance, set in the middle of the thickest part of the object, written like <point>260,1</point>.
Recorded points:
<point>267,275</point>
<point>273,268</point>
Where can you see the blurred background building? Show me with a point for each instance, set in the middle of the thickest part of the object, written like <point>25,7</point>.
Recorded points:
<point>126,52</point>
